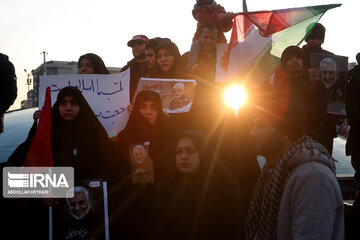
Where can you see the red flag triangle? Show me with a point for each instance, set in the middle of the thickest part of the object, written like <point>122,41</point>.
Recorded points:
<point>40,154</point>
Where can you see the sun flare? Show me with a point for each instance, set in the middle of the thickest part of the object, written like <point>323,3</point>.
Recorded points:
<point>235,96</point>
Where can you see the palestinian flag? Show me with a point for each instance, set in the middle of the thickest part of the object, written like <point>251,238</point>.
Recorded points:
<point>259,38</point>
<point>40,154</point>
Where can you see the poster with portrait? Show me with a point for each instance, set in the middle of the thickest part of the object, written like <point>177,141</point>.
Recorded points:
<point>84,216</point>
<point>333,70</point>
<point>177,95</point>
<point>142,168</point>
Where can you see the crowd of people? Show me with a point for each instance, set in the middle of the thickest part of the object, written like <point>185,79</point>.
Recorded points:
<point>202,179</point>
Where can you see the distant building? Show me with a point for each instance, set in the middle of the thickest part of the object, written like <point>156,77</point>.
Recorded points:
<point>53,68</point>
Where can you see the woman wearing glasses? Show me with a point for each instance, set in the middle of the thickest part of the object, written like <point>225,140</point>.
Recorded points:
<point>91,63</point>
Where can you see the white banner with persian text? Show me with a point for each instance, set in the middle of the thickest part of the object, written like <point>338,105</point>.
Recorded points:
<point>107,95</point>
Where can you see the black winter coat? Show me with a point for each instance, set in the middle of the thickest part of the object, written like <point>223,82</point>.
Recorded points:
<point>353,114</point>
<point>314,99</point>
<point>137,70</point>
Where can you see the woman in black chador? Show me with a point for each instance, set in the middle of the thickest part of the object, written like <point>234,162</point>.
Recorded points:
<point>199,198</point>
<point>169,63</point>
<point>78,140</point>
<point>77,137</point>
<point>147,124</point>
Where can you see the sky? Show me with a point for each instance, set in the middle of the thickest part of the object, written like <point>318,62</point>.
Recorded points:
<point>68,29</point>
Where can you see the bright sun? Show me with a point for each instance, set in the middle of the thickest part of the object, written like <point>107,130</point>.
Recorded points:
<point>235,96</point>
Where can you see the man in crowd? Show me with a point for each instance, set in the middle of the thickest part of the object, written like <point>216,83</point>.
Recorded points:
<point>296,81</point>
<point>297,195</point>
<point>201,59</point>
<point>150,54</point>
<point>8,89</point>
<point>137,65</point>
<point>210,13</point>
<point>314,41</point>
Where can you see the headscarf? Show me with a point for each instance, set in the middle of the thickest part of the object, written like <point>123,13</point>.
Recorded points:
<point>83,142</point>
<point>210,168</point>
<point>134,200</point>
<point>96,61</point>
<point>208,158</point>
<point>137,122</point>
<point>198,204</point>
<point>161,134</point>
<point>178,69</point>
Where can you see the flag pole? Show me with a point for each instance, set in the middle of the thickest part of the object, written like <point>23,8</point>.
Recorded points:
<point>245,9</point>
<point>50,223</point>
<point>50,214</point>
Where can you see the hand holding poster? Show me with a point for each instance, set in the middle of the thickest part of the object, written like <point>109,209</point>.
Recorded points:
<point>176,95</point>
<point>107,95</point>
<point>332,69</point>
<point>142,168</point>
